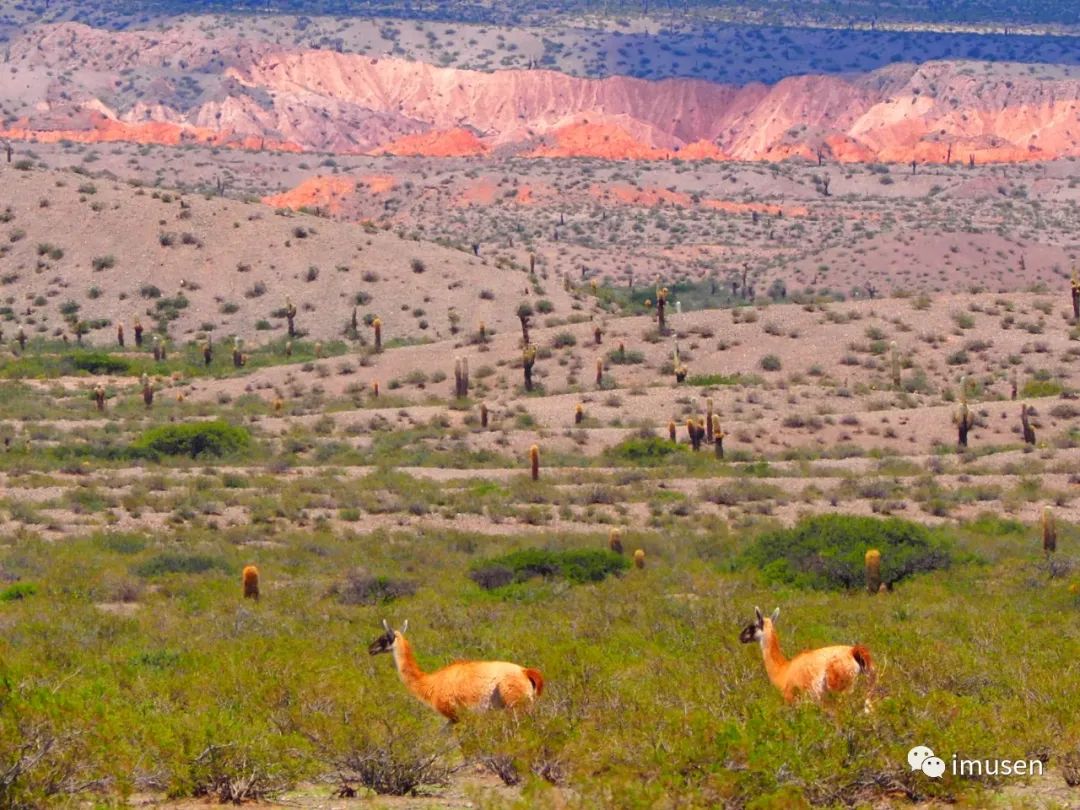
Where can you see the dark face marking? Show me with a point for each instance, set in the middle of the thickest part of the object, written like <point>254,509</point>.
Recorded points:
<point>383,644</point>
<point>749,633</point>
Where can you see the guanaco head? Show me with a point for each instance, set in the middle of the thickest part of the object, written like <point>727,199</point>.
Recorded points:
<point>385,642</point>
<point>756,629</point>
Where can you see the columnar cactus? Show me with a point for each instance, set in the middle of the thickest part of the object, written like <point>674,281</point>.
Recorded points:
<point>873,571</point>
<point>1025,423</point>
<point>599,371</point>
<point>461,377</point>
<point>99,397</point>
<point>894,362</point>
<point>671,430</point>
<point>377,326</point>
<point>120,335</point>
<point>290,315</point>
<point>718,437</point>
<point>147,391</point>
<point>579,414</point>
<point>598,336</point>
<point>279,404</point>
<point>1014,385</point>
<point>251,582</point>
<point>237,354</point>
<point>208,352</point>
<point>21,338</point>
<point>615,541</point>
<point>483,415</point>
<point>375,389</point>
<point>639,558</point>
<point>709,420</point>
<point>661,308</point>
<point>138,333</point>
<point>1049,531</point>
<point>524,313</point>
<point>482,332</point>
<point>695,429</point>
<point>622,352</point>
<point>1074,287</point>
<point>528,360</point>
<point>318,349</point>
<point>534,462</point>
<point>964,420</point>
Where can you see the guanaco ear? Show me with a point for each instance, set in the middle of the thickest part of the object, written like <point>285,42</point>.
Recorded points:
<point>405,627</point>
<point>386,625</point>
<point>775,615</point>
<point>760,618</point>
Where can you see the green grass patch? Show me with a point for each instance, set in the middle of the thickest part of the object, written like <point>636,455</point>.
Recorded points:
<point>576,565</point>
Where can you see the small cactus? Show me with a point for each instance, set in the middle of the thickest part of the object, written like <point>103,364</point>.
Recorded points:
<point>377,326</point>
<point>318,349</point>
<point>873,571</point>
<point>579,414</point>
<point>279,403</point>
<point>120,335</point>
<point>671,430</point>
<point>99,397</point>
<point>461,377</point>
<point>288,348</point>
<point>661,308</point>
<point>695,429</point>
<point>534,462</point>
<point>237,354</point>
<point>615,541</point>
<point>21,338</point>
<point>208,353</point>
<point>147,391</point>
<point>639,558</point>
<point>482,332</point>
<point>251,582</point>
<point>157,349</point>
<point>483,415</point>
<point>709,420</point>
<point>138,328</point>
<point>1049,531</point>
<point>375,388</point>
<point>598,336</point>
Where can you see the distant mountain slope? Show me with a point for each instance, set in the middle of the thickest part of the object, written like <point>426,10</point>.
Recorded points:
<point>239,92</point>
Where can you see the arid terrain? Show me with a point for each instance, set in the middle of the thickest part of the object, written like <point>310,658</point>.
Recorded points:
<point>422,317</point>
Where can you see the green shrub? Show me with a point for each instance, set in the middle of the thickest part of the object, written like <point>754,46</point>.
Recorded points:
<point>217,438</point>
<point>365,589</point>
<point>828,551</point>
<point>173,563</point>
<point>100,363</point>
<point>20,590</point>
<point>576,565</point>
<point>647,451</point>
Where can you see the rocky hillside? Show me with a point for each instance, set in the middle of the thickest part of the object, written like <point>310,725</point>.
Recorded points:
<point>72,82</point>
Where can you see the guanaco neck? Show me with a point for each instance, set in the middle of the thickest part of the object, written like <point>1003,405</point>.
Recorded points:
<point>775,663</point>
<point>411,674</point>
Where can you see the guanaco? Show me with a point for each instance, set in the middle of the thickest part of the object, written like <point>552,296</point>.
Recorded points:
<point>475,685</point>
<point>813,672</point>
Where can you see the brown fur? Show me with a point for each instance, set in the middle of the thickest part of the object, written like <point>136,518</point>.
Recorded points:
<point>463,685</point>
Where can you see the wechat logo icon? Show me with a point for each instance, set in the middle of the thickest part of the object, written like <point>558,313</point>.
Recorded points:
<point>922,758</point>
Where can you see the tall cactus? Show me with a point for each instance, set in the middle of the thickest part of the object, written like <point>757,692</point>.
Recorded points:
<point>483,415</point>
<point>1074,288</point>
<point>579,414</point>
<point>873,571</point>
<point>964,420</point>
<point>138,328</point>
<point>147,391</point>
<point>1025,424</point>
<point>208,353</point>
<point>99,396</point>
<point>461,377</point>
<point>528,360</point>
<point>120,335</point>
<point>718,437</point>
<point>598,336</point>
<point>709,420</point>
<point>290,315</point>
<point>534,462</point>
<point>524,313</point>
<point>376,324</point>
<point>599,372</point>
<point>661,309</point>
<point>671,430</point>
<point>1049,531</point>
